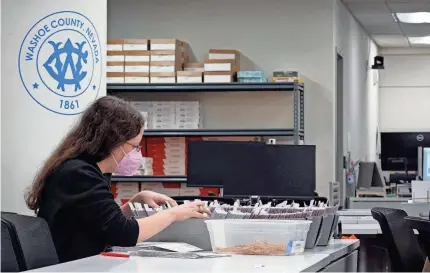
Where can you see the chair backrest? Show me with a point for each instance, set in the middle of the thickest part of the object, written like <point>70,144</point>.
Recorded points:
<point>9,259</point>
<point>423,228</point>
<point>402,244</point>
<point>34,240</point>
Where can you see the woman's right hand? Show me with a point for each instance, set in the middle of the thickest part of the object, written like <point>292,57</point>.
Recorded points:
<point>194,209</point>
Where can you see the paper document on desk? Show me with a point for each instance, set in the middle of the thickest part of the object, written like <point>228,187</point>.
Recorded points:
<point>159,246</point>
<point>176,255</point>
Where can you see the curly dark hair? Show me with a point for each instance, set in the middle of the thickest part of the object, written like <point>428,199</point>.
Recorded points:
<point>106,124</point>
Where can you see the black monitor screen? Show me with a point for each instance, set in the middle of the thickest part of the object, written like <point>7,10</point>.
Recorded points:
<point>245,169</point>
<point>400,148</point>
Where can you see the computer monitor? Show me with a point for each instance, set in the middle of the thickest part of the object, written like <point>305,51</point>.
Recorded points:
<point>206,158</point>
<point>399,150</point>
<point>245,169</point>
<point>426,163</point>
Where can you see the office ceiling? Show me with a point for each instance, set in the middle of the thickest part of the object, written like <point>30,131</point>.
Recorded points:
<point>376,17</point>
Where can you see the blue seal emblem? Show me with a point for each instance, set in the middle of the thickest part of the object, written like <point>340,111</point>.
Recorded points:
<point>60,62</point>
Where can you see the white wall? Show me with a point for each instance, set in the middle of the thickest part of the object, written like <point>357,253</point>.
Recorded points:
<point>405,90</point>
<point>272,35</point>
<point>29,131</point>
<point>361,90</point>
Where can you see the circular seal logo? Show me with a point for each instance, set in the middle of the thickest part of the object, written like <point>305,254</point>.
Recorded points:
<point>60,62</point>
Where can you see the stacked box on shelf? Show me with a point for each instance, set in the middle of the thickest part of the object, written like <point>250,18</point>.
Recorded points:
<point>168,155</point>
<point>193,73</point>
<point>145,108</point>
<point>251,76</point>
<point>169,189</point>
<point>221,66</point>
<point>124,191</point>
<point>286,76</point>
<point>167,57</point>
<point>170,114</point>
<point>115,61</point>
<point>163,115</point>
<point>137,57</point>
<point>187,115</point>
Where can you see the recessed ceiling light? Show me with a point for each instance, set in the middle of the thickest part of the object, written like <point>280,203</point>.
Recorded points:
<point>413,17</point>
<point>420,40</point>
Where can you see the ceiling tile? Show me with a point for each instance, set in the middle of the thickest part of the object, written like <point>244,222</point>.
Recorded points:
<point>390,40</point>
<point>363,1</point>
<point>410,6</point>
<point>384,29</point>
<point>416,30</point>
<point>375,19</point>
<point>368,8</point>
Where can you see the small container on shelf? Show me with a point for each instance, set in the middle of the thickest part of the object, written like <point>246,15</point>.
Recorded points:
<point>163,77</point>
<point>224,54</point>
<point>251,77</point>
<point>167,44</point>
<point>142,67</point>
<point>198,67</point>
<point>115,45</point>
<point>165,66</point>
<point>137,56</point>
<point>136,77</point>
<point>114,66</point>
<point>115,56</point>
<point>219,77</point>
<point>136,44</point>
<point>189,77</point>
<point>218,65</point>
<point>115,77</point>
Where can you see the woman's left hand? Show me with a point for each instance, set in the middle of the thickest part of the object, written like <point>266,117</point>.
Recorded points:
<point>153,199</point>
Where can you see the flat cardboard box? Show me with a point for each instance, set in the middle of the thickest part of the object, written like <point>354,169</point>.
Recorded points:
<point>166,44</point>
<point>163,77</point>
<point>221,65</point>
<point>167,56</point>
<point>165,66</point>
<point>225,54</point>
<point>136,77</point>
<point>189,77</point>
<point>115,67</point>
<point>115,56</point>
<point>219,77</point>
<point>114,77</point>
<point>136,44</point>
<point>115,45</point>
<point>199,67</point>
<point>137,67</point>
<point>137,56</point>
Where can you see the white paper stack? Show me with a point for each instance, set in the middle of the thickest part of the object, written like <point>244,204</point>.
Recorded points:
<point>170,114</point>
<point>187,114</point>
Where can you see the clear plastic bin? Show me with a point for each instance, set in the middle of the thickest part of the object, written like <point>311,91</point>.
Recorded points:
<point>230,233</point>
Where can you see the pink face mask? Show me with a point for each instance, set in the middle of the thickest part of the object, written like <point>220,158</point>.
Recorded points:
<point>130,164</point>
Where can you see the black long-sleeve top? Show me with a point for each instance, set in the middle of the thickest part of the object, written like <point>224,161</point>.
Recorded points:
<point>81,211</point>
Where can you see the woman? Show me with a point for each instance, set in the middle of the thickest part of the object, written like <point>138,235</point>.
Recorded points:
<point>72,189</point>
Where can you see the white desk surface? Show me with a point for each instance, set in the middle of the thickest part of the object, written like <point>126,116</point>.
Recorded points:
<point>312,260</point>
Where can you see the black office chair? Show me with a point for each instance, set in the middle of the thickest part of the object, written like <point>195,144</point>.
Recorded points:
<point>9,259</point>
<point>423,227</point>
<point>402,245</point>
<point>34,247</point>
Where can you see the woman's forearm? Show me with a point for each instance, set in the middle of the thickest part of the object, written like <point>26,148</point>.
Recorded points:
<point>149,226</point>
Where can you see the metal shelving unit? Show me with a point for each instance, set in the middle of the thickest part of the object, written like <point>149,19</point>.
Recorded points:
<point>298,132</point>
<point>222,132</point>
<point>204,87</point>
<point>165,179</point>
